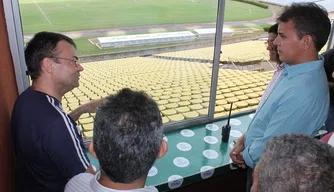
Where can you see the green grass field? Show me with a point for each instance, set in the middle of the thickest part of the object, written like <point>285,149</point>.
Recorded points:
<point>69,15</point>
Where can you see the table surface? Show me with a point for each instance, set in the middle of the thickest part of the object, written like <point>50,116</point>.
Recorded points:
<point>195,154</point>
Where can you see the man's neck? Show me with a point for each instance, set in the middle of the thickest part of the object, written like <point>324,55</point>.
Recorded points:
<point>306,57</point>
<point>106,182</point>
<point>41,86</point>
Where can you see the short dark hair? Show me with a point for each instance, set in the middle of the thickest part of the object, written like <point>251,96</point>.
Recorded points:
<point>294,162</point>
<point>42,45</point>
<point>308,19</point>
<point>128,133</point>
<point>273,29</point>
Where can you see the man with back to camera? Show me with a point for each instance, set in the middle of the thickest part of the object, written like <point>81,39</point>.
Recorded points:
<point>127,140</point>
<point>299,100</point>
<point>48,146</point>
<point>294,162</point>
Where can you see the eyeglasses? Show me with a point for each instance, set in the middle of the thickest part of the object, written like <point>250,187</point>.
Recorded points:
<point>270,42</point>
<point>75,61</point>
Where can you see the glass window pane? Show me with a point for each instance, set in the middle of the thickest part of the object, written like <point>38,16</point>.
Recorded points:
<point>149,45</point>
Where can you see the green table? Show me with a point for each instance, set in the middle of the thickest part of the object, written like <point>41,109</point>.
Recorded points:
<point>195,154</point>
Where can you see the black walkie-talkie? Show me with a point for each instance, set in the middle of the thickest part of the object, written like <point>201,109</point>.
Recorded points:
<point>227,128</point>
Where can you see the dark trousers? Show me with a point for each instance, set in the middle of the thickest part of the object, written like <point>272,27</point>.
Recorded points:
<point>249,179</point>
<point>330,119</point>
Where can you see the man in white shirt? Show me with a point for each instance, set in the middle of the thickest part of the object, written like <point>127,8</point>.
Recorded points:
<point>128,138</point>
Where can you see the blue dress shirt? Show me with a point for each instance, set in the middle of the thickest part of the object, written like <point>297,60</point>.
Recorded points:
<point>298,103</point>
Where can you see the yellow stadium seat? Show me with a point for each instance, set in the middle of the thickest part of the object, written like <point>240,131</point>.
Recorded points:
<point>88,127</point>
<point>206,94</point>
<point>219,109</point>
<point>195,107</point>
<point>88,134</point>
<point>176,95</point>
<point>162,107</point>
<point>203,111</point>
<point>86,120</point>
<point>191,114</point>
<point>237,93</point>
<point>235,88</point>
<point>252,101</point>
<point>221,102</point>
<point>241,104</point>
<point>162,102</point>
<point>197,96</point>
<point>168,112</point>
<point>206,99</point>
<point>196,101</point>
<point>226,90</point>
<point>177,117</point>
<point>171,105</point>
<point>165,120</point>
<point>85,115</point>
<point>242,97</point>
<point>182,109</point>
<point>257,89</point>
<point>228,95</point>
<point>183,103</point>
<point>253,95</point>
<point>173,100</point>
<point>232,99</point>
<point>228,106</point>
<point>162,97</point>
<point>205,104</point>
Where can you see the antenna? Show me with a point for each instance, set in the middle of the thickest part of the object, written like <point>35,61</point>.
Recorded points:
<point>229,115</point>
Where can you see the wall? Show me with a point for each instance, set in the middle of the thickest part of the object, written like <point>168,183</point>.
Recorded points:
<point>8,94</point>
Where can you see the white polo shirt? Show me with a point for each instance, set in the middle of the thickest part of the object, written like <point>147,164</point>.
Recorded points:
<point>86,182</point>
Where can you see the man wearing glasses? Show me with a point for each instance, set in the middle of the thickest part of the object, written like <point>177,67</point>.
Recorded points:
<point>273,56</point>
<point>48,146</point>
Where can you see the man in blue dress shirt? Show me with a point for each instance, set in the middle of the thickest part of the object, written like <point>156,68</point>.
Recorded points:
<point>299,100</point>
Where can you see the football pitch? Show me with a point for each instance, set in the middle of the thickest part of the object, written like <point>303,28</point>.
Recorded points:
<point>70,15</point>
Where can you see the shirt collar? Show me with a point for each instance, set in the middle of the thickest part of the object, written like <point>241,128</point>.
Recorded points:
<point>280,66</point>
<point>96,186</point>
<point>294,70</point>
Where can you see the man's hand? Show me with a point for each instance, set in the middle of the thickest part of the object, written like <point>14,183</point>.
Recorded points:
<point>89,107</point>
<point>236,153</point>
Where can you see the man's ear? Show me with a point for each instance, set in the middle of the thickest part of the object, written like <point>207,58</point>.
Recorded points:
<point>163,149</point>
<point>91,149</point>
<point>308,42</point>
<point>47,65</point>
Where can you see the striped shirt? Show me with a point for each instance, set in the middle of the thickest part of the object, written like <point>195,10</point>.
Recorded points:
<point>48,146</point>
<point>86,182</point>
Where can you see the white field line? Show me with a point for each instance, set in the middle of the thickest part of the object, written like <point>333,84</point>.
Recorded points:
<point>42,12</point>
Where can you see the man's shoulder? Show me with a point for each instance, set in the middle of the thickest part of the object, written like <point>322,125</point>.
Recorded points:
<point>37,103</point>
<point>80,182</point>
<point>328,52</point>
<point>33,99</point>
